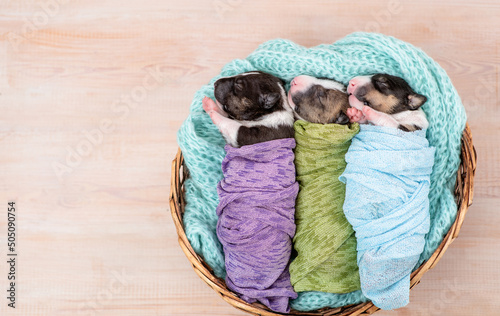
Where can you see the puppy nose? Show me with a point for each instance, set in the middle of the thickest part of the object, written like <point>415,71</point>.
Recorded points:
<point>299,80</point>
<point>352,85</point>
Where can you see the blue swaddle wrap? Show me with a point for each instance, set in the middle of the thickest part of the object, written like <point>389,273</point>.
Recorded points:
<point>387,185</point>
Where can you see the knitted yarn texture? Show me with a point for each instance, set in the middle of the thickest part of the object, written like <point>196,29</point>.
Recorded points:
<point>325,242</point>
<point>387,187</point>
<point>256,221</point>
<point>356,54</point>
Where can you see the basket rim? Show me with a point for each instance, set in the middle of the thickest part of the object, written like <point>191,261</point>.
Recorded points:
<point>464,193</point>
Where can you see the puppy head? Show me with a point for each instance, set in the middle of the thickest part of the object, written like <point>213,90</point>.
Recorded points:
<point>249,96</point>
<point>384,93</point>
<point>320,101</point>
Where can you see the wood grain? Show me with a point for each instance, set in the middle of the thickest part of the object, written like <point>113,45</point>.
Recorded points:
<point>96,238</point>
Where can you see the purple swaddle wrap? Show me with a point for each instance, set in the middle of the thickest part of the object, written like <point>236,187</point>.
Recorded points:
<point>256,221</point>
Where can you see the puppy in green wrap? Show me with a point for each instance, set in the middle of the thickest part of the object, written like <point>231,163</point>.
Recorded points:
<point>324,240</point>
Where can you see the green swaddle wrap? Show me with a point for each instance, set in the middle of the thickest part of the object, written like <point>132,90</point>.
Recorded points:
<point>324,239</point>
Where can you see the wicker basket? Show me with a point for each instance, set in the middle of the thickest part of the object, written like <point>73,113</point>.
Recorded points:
<point>464,192</point>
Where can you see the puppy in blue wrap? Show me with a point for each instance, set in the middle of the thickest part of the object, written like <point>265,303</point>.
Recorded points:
<point>387,185</point>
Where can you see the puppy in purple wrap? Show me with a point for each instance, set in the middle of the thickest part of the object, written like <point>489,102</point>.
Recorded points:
<point>257,195</point>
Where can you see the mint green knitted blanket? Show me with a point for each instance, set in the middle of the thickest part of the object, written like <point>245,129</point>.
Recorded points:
<point>354,55</point>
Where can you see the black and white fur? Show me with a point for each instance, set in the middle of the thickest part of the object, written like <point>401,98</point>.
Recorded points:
<point>250,108</point>
<point>386,100</point>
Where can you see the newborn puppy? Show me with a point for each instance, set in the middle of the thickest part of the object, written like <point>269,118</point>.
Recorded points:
<point>250,108</point>
<point>258,191</point>
<point>386,100</point>
<point>324,241</point>
<point>321,101</point>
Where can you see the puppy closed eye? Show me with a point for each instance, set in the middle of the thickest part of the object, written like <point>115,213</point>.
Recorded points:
<point>382,83</point>
<point>320,94</point>
<point>238,86</point>
<point>268,100</point>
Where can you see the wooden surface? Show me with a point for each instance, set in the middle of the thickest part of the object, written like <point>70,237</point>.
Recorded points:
<point>93,92</point>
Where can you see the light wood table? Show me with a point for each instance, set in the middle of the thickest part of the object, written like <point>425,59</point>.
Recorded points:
<point>92,94</point>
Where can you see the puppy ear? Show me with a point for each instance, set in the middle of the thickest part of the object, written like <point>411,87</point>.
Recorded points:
<point>268,100</point>
<point>416,100</point>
